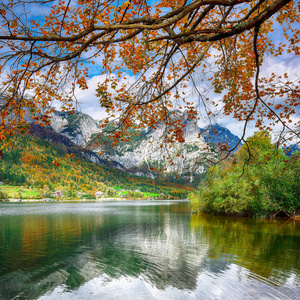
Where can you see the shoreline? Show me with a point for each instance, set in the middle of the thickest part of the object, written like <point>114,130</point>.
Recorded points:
<point>48,200</point>
<point>14,200</point>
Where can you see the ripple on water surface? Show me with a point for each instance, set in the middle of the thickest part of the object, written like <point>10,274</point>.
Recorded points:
<point>143,250</point>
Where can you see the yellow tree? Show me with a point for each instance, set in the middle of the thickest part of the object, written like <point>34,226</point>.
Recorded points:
<point>169,48</point>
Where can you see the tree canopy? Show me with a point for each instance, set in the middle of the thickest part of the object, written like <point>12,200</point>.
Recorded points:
<point>261,181</point>
<point>202,56</point>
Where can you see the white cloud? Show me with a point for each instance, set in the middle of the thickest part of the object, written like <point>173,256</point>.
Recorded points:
<point>89,102</point>
<point>287,63</point>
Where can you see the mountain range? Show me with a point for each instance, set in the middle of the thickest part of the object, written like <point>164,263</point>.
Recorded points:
<point>145,154</point>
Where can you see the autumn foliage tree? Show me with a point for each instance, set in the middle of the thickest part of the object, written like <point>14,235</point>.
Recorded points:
<point>179,55</point>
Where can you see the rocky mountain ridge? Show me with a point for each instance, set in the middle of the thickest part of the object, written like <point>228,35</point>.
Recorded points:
<point>183,158</point>
<point>147,155</point>
<point>78,127</point>
<point>144,154</point>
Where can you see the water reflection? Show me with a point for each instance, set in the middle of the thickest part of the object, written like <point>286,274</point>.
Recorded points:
<point>143,250</point>
<point>270,249</point>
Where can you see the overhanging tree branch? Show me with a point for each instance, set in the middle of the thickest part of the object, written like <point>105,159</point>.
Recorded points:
<point>161,47</point>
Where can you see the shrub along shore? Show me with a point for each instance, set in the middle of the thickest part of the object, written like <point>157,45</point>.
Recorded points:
<point>261,182</point>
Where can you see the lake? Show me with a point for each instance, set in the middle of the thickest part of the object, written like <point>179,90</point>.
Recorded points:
<point>143,250</point>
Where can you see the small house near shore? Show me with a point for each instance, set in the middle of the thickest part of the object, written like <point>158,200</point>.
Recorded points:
<point>57,194</point>
<point>98,194</point>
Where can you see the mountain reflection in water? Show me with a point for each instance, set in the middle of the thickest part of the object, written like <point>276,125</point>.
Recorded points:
<point>143,250</point>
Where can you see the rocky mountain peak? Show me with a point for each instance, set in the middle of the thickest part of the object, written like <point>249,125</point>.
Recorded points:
<point>214,134</point>
<point>78,127</point>
<point>191,128</point>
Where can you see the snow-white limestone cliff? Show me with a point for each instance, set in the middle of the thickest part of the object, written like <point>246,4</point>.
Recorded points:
<point>152,154</point>
<point>78,127</point>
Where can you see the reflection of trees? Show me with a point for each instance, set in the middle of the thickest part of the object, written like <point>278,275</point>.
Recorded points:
<point>70,250</point>
<point>266,248</point>
<point>41,252</point>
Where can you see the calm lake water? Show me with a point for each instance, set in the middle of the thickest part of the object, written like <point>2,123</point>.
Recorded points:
<point>143,250</point>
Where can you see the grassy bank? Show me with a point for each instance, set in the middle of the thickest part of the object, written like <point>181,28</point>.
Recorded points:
<point>14,193</point>
<point>18,192</point>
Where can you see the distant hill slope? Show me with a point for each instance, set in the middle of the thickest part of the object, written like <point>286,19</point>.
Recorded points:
<point>43,159</point>
<point>68,145</point>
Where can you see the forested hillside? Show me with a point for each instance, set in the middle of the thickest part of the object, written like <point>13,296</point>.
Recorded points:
<point>49,166</point>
